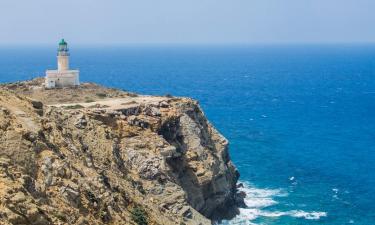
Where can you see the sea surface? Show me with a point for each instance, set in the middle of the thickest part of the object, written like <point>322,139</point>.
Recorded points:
<point>300,119</point>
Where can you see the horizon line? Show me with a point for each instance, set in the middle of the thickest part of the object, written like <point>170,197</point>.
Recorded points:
<point>127,44</point>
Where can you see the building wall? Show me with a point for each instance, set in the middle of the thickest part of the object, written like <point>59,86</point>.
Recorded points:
<point>61,78</point>
<point>62,63</point>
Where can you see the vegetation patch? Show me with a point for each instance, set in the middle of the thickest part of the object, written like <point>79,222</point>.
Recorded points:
<point>139,216</point>
<point>101,95</point>
<point>89,100</point>
<point>73,107</point>
<point>98,106</point>
<point>132,95</point>
<point>129,103</point>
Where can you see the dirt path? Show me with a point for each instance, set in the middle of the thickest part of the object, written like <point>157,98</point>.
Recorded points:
<point>117,103</point>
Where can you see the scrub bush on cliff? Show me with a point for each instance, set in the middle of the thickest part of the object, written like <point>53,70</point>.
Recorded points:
<point>139,216</point>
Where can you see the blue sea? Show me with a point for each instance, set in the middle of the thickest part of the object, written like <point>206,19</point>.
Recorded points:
<point>300,118</point>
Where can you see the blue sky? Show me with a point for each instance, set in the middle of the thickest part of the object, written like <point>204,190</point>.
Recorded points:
<point>187,21</point>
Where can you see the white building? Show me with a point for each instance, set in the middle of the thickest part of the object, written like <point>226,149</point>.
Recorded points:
<point>62,77</point>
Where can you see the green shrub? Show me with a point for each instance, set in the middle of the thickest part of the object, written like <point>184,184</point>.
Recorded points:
<point>61,216</point>
<point>73,107</point>
<point>101,95</point>
<point>139,216</point>
<point>132,95</point>
<point>89,100</point>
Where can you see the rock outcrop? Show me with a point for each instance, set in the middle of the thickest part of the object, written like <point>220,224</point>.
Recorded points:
<point>109,160</point>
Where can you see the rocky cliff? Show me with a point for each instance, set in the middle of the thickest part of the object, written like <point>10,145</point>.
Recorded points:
<point>93,155</point>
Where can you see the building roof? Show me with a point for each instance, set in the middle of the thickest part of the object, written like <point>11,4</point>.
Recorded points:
<point>63,42</point>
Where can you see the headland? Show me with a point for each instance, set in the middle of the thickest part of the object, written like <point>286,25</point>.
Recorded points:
<point>95,155</point>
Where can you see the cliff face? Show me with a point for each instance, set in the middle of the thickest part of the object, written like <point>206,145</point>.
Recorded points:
<point>118,159</point>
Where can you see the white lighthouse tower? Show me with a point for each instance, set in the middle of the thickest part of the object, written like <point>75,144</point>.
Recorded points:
<point>63,76</point>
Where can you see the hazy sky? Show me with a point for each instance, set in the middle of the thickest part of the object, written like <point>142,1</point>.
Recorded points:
<point>186,21</point>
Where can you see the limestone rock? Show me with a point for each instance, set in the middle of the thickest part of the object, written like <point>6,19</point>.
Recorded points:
<point>93,165</point>
<point>71,195</point>
<point>81,122</point>
<point>152,111</point>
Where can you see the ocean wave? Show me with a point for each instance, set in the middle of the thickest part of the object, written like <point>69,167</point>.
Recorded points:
<point>306,215</point>
<point>260,198</point>
<point>257,200</point>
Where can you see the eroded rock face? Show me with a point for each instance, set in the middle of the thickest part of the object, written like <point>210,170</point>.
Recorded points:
<point>203,168</point>
<point>92,165</point>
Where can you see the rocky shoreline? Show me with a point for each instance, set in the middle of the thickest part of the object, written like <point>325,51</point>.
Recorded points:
<point>93,155</point>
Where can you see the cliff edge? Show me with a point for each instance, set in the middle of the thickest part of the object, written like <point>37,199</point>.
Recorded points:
<point>93,155</point>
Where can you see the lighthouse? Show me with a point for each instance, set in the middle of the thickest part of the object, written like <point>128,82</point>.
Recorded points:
<point>63,76</point>
<point>63,56</point>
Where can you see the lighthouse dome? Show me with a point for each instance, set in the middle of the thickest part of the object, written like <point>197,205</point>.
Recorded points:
<point>63,42</point>
<point>63,49</point>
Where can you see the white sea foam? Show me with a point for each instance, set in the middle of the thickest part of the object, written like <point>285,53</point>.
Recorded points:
<point>335,195</point>
<point>257,200</point>
<point>306,215</point>
<point>260,198</point>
